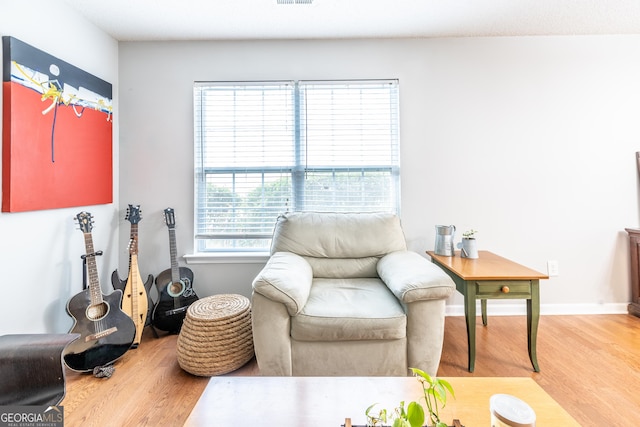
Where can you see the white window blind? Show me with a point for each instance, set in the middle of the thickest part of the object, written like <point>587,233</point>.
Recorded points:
<point>264,148</point>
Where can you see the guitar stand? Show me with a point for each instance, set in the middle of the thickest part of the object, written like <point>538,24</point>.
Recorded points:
<point>84,267</point>
<point>153,329</point>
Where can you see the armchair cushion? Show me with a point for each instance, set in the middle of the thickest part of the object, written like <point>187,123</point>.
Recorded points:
<point>335,235</point>
<point>286,278</point>
<point>343,268</point>
<point>412,278</point>
<point>347,310</point>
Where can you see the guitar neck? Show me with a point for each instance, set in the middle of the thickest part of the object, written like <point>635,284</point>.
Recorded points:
<point>94,283</point>
<point>173,251</point>
<point>133,271</point>
<point>133,235</point>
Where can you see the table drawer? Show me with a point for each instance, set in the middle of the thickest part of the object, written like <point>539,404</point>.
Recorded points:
<point>495,289</point>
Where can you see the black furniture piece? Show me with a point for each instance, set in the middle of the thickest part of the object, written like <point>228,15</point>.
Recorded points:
<point>31,368</point>
<point>634,253</point>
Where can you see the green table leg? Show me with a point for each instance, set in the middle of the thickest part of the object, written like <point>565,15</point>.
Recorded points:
<point>483,306</point>
<point>470,314</point>
<point>533,317</point>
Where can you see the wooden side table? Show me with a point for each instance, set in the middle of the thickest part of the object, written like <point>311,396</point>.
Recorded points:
<point>492,277</point>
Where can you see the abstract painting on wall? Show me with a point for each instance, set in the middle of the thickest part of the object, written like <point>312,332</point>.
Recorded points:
<point>56,132</point>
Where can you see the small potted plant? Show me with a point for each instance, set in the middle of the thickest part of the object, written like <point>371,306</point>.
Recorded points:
<point>412,416</point>
<point>435,395</point>
<point>468,248</point>
<point>470,234</point>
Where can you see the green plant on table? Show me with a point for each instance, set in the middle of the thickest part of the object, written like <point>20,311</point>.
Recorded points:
<point>470,234</point>
<point>413,416</point>
<point>375,420</point>
<point>435,395</point>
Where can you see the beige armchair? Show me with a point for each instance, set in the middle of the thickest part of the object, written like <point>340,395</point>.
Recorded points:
<point>342,296</point>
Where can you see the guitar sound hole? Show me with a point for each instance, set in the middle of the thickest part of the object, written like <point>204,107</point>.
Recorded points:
<point>97,311</point>
<point>176,289</point>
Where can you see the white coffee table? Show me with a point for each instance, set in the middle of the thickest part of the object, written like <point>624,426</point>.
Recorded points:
<point>327,401</point>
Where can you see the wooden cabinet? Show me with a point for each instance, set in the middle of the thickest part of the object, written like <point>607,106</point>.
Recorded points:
<point>634,253</point>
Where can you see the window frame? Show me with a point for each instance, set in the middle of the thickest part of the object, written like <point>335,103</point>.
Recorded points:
<point>297,171</point>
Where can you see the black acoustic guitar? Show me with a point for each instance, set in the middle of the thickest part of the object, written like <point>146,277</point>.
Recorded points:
<point>136,300</point>
<point>175,287</point>
<point>106,332</point>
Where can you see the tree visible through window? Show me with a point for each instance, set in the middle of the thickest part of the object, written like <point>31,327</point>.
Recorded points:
<point>265,148</point>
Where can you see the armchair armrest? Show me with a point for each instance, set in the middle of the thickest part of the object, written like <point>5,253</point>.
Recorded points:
<point>286,278</point>
<point>413,278</point>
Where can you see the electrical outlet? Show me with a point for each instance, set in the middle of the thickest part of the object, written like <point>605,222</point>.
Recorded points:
<point>553,268</point>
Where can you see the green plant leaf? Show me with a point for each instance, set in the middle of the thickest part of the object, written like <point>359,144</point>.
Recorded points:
<point>422,374</point>
<point>375,419</point>
<point>448,386</point>
<point>369,409</point>
<point>440,393</point>
<point>399,422</point>
<point>415,414</point>
<point>400,410</point>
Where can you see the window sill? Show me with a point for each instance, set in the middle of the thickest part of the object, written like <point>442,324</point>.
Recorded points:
<point>227,258</point>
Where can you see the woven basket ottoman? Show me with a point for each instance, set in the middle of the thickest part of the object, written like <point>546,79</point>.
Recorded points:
<point>215,337</point>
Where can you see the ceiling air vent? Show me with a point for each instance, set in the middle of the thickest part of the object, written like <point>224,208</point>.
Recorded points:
<point>294,1</point>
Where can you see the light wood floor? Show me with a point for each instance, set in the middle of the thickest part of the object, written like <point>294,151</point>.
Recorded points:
<point>589,364</point>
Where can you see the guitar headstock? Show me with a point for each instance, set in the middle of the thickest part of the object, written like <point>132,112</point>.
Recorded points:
<point>85,221</point>
<point>169,218</point>
<point>133,214</point>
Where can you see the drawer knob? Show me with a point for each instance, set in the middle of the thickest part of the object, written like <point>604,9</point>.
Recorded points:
<point>505,289</point>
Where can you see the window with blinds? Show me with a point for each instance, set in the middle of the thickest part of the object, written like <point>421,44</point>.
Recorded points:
<point>265,148</point>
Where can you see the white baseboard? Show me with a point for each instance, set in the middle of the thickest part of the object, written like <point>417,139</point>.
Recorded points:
<point>520,308</point>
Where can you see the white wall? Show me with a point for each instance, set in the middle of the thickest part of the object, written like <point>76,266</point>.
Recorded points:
<point>40,251</point>
<point>530,140</point>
